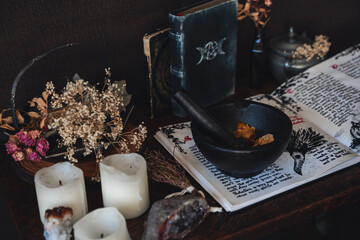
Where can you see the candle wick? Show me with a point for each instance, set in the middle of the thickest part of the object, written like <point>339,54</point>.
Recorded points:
<point>102,235</point>
<point>60,183</point>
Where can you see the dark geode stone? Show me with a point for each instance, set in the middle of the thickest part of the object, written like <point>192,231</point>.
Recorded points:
<point>175,217</point>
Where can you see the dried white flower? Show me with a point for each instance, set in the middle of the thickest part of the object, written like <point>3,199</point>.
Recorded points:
<point>318,49</point>
<point>82,112</point>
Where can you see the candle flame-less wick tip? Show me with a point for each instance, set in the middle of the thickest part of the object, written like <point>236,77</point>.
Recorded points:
<point>60,183</point>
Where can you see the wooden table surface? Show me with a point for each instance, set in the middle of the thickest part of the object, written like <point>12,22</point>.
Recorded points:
<point>328,193</point>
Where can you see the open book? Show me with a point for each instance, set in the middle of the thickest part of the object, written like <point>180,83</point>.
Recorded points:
<point>323,104</point>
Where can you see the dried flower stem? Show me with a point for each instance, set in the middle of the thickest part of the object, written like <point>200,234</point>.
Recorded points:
<point>256,10</point>
<point>99,158</point>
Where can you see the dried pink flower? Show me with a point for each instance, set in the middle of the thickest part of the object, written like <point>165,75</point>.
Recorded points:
<point>26,138</point>
<point>34,157</point>
<point>28,151</point>
<point>34,134</point>
<point>25,150</point>
<point>11,147</point>
<point>42,146</point>
<point>268,3</point>
<point>18,155</point>
<point>22,135</point>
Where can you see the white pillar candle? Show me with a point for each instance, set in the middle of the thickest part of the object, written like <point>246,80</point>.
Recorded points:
<point>124,184</point>
<point>61,184</point>
<point>102,223</point>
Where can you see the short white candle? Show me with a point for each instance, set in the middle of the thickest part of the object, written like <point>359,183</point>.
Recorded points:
<point>61,184</point>
<point>102,223</point>
<point>124,184</point>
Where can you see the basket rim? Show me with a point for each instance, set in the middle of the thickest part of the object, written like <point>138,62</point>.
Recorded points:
<point>31,63</point>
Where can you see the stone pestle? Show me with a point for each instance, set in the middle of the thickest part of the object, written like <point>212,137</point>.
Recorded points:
<point>205,120</point>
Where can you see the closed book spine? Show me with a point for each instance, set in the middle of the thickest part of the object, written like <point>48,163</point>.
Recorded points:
<point>176,60</point>
<point>157,52</point>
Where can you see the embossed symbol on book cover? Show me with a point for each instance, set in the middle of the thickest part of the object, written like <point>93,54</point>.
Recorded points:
<point>211,50</point>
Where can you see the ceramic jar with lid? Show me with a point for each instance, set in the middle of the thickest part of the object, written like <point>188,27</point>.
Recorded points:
<point>281,64</point>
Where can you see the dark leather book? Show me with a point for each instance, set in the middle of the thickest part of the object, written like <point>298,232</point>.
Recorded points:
<point>157,52</point>
<point>203,52</point>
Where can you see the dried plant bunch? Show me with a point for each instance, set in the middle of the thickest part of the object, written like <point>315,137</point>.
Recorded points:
<point>256,10</point>
<point>83,112</point>
<point>165,170</point>
<point>80,113</point>
<point>317,50</point>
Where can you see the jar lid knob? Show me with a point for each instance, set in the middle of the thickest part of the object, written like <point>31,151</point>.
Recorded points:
<point>291,34</point>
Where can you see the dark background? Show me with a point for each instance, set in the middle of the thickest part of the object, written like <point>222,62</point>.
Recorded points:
<point>116,27</point>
